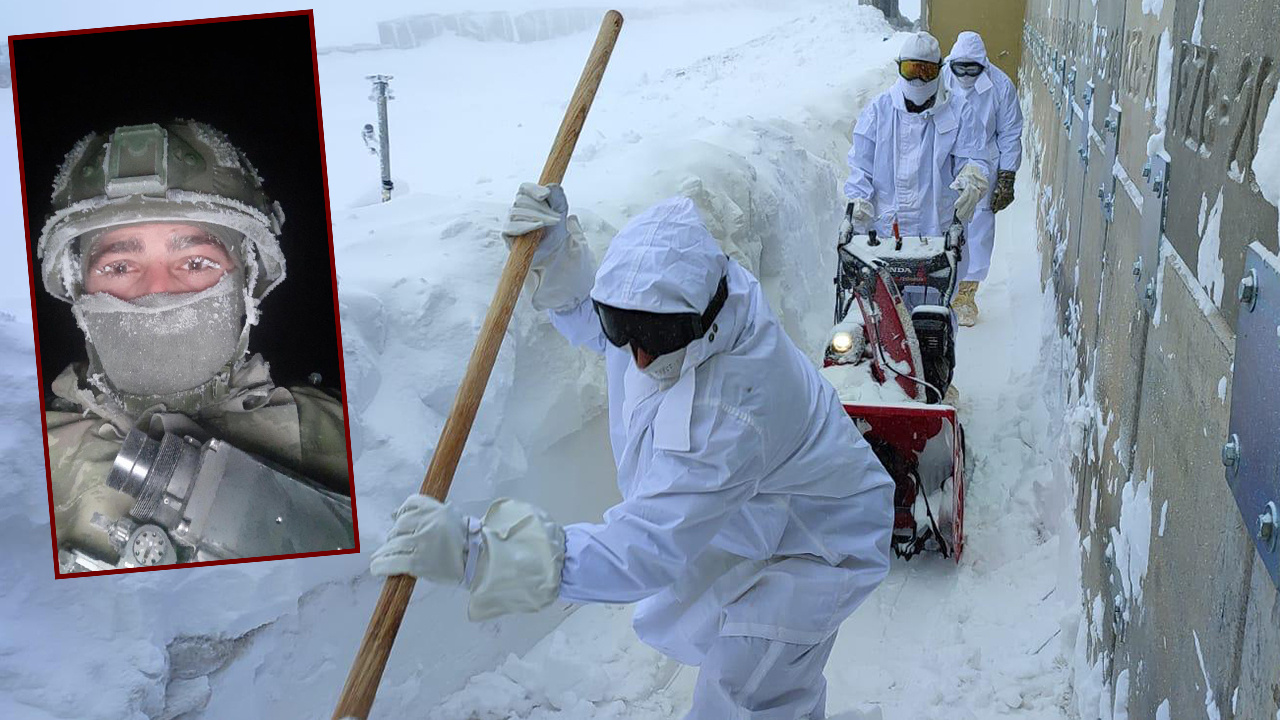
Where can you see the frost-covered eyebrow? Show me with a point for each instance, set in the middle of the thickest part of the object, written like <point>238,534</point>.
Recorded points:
<point>183,242</point>
<point>127,246</point>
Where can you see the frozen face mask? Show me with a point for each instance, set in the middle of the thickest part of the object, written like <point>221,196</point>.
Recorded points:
<point>164,343</point>
<point>665,369</point>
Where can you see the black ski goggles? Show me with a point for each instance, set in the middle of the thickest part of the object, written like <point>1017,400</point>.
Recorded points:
<point>967,68</point>
<point>919,70</point>
<point>659,333</point>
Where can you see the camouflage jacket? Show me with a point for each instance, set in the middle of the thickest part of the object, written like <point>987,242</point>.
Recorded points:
<point>300,428</point>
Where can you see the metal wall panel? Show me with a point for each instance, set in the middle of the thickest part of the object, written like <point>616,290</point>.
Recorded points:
<point>1153,384</point>
<point>1222,88</point>
<point>999,22</point>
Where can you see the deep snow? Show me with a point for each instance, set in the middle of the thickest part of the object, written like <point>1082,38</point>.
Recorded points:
<point>748,111</point>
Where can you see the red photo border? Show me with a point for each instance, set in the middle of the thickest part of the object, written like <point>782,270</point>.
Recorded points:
<point>333,271</point>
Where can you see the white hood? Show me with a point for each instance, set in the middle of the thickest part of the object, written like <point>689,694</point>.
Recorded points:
<point>663,261</point>
<point>969,46</point>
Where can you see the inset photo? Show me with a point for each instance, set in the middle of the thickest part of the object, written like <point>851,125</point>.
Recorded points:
<point>184,293</point>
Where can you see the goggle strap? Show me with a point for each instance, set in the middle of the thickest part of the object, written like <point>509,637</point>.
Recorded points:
<point>708,316</point>
<point>717,302</point>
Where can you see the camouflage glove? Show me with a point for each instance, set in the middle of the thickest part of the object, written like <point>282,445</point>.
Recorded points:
<point>1004,191</point>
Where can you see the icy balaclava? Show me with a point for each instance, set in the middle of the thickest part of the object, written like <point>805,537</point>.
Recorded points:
<point>176,349</point>
<point>969,47</point>
<point>663,261</point>
<point>164,344</point>
<point>919,46</point>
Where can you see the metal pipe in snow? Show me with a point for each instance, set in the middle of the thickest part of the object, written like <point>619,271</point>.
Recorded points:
<point>382,93</point>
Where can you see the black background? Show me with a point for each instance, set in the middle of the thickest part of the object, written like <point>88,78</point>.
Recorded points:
<point>252,79</point>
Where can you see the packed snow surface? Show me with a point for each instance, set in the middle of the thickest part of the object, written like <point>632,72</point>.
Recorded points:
<point>746,107</point>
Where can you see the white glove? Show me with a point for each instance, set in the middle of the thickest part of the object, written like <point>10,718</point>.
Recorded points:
<point>520,557</point>
<point>516,553</point>
<point>861,213</point>
<point>428,540</point>
<point>562,271</point>
<point>973,185</point>
<point>538,206</point>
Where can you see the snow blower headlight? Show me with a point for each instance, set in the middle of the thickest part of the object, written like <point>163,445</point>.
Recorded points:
<point>842,342</point>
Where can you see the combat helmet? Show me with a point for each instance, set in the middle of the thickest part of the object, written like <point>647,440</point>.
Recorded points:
<point>182,171</point>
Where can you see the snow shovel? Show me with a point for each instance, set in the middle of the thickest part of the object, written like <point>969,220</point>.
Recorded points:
<point>371,659</point>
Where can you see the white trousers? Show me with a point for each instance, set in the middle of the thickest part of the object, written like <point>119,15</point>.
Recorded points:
<point>980,235</point>
<point>747,678</point>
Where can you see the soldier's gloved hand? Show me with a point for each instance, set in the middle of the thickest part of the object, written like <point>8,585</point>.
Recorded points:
<point>562,271</point>
<point>1003,194</point>
<point>511,559</point>
<point>540,206</point>
<point>972,184</point>
<point>860,213</point>
<point>428,541</point>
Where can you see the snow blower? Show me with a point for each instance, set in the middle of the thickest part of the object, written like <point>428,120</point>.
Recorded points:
<point>891,357</point>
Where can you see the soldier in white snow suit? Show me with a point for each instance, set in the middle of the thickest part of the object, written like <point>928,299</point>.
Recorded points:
<point>754,517</point>
<point>917,159</point>
<point>977,84</point>
<point>163,242</point>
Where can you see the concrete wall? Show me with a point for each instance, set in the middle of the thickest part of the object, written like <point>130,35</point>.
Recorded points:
<point>998,21</point>
<point>1145,279</point>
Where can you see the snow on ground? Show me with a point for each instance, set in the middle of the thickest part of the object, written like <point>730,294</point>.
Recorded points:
<point>745,108</point>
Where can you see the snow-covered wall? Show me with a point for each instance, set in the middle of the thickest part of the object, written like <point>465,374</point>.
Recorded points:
<point>1150,128</point>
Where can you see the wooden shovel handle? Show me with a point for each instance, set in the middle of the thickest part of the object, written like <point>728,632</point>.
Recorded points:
<point>366,670</point>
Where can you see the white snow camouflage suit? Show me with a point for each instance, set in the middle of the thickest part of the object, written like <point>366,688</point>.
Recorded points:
<point>904,163</point>
<point>993,101</point>
<point>754,518</point>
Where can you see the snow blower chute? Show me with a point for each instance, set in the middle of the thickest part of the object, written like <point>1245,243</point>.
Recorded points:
<point>891,357</point>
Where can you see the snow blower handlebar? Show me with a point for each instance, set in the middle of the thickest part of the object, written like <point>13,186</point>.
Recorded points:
<point>366,670</point>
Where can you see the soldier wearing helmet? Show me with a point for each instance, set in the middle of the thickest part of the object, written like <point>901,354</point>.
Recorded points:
<point>163,242</point>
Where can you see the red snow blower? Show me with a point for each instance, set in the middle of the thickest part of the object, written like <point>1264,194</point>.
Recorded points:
<point>891,357</point>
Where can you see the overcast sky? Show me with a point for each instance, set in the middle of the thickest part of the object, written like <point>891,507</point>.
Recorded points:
<point>337,22</point>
